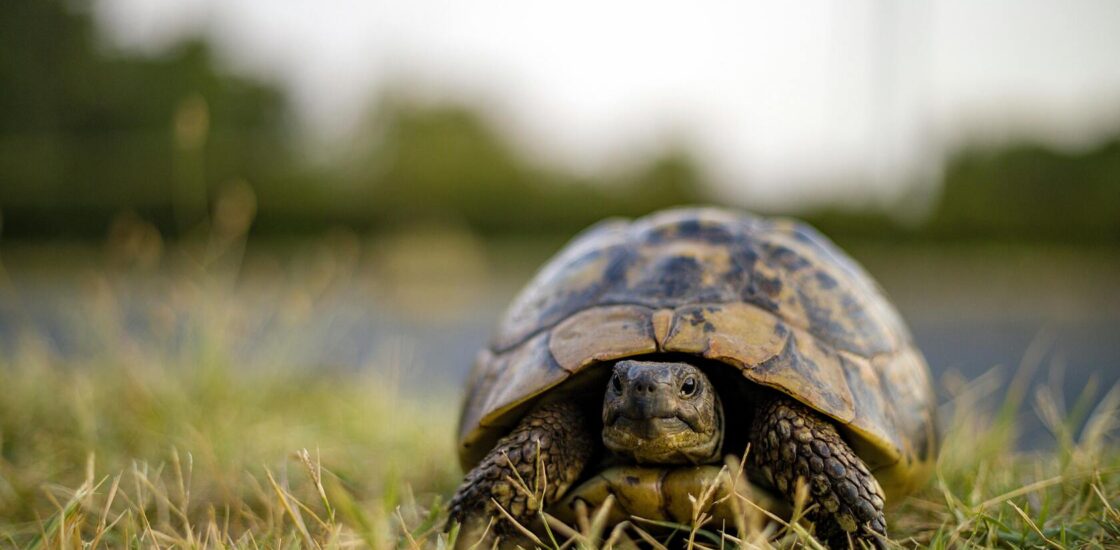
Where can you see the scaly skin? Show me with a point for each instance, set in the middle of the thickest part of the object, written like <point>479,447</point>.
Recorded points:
<point>554,439</point>
<point>790,441</point>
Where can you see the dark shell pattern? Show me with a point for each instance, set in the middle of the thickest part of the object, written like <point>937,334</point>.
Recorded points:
<point>770,296</point>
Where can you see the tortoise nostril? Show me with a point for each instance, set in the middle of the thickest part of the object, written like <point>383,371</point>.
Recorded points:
<point>645,383</point>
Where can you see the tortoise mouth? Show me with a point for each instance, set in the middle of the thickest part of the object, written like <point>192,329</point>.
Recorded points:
<point>659,440</point>
<point>649,428</point>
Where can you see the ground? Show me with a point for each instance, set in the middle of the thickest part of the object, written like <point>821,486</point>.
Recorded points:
<point>186,439</point>
<point>138,454</point>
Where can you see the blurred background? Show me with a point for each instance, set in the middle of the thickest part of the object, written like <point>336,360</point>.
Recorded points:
<point>364,185</point>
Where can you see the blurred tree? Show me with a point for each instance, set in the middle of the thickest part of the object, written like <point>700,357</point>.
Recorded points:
<point>84,134</point>
<point>445,162</point>
<point>1030,192</point>
<point>1016,192</point>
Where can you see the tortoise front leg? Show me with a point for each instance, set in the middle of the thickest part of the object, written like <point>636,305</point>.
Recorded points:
<point>790,441</point>
<point>553,440</point>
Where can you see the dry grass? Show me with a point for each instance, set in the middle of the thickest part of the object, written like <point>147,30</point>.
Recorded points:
<point>208,457</point>
<point>187,446</point>
<point>205,456</point>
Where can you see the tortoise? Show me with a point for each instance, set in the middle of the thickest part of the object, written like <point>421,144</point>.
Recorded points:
<point>646,352</point>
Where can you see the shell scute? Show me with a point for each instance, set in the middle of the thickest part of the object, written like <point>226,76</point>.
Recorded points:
<point>826,299</point>
<point>610,331</point>
<point>525,371</point>
<point>874,416</point>
<point>807,371</point>
<point>734,332</point>
<point>557,293</point>
<point>674,273</point>
<point>505,382</point>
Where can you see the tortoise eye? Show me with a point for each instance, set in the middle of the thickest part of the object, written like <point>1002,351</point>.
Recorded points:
<point>616,384</point>
<point>688,387</point>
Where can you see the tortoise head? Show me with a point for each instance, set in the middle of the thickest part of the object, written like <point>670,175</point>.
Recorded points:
<point>662,413</point>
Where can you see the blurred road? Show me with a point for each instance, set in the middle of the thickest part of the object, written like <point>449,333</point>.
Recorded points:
<point>971,310</point>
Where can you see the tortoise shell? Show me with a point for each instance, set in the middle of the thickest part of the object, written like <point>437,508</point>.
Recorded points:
<point>771,297</point>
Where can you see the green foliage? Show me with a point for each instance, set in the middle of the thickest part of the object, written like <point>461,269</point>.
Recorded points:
<point>88,134</point>
<point>446,162</point>
<point>85,134</point>
<point>1017,192</point>
<point>1028,192</point>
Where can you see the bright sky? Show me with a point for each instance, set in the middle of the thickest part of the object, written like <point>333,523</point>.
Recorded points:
<point>783,102</point>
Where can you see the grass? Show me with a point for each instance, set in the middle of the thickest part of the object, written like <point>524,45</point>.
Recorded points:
<point>158,445</point>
